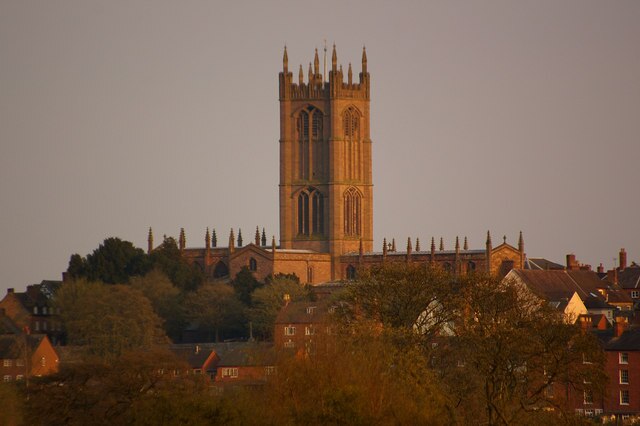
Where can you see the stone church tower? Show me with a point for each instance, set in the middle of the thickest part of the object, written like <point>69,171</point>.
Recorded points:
<point>326,190</point>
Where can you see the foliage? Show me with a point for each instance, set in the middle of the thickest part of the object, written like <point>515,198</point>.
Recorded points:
<point>245,284</point>
<point>166,299</point>
<point>355,379</point>
<point>113,262</point>
<point>136,388</point>
<point>406,296</point>
<point>215,307</point>
<point>11,413</point>
<point>169,260</point>
<point>269,299</point>
<point>515,355</point>
<point>107,320</point>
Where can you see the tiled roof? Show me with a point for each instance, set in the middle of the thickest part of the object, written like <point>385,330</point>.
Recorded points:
<point>628,341</point>
<point>248,354</point>
<point>11,344</point>
<point>304,312</point>
<point>629,278</point>
<point>541,264</point>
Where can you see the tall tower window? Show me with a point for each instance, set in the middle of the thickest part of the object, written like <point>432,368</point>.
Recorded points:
<point>310,153</point>
<point>310,212</point>
<point>351,127</point>
<point>352,209</point>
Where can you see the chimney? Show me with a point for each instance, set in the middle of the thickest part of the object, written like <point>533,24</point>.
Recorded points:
<point>585,322</point>
<point>623,259</point>
<point>620,326</point>
<point>572,264</point>
<point>612,276</point>
<point>601,269</point>
<point>10,290</point>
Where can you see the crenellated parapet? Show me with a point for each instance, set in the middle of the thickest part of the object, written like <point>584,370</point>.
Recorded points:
<point>316,87</point>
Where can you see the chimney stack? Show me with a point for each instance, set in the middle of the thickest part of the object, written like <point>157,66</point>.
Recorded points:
<point>572,264</point>
<point>620,326</point>
<point>623,259</point>
<point>612,276</point>
<point>601,269</point>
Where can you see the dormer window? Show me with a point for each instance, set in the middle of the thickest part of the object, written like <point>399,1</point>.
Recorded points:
<point>311,310</point>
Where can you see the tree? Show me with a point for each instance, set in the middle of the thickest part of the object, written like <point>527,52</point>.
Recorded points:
<point>245,284</point>
<point>215,307</point>
<point>269,299</point>
<point>12,411</point>
<point>405,295</point>
<point>169,260</point>
<point>166,299</point>
<point>357,378</point>
<point>113,262</point>
<point>107,320</point>
<point>510,351</point>
<point>134,388</point>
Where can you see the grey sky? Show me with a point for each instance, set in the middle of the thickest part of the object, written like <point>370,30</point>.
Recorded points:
<point>502,115</point>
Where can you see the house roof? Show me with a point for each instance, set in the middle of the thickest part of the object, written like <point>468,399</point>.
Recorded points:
<point>11,344</point>
<point>246,354</point>
<point>628,341</point>
<point>629,278</point>
<point>7,326</point>
<point>541,264</point>
<point>560,285</point>
<point>304,312</point>
<point>196,355</point>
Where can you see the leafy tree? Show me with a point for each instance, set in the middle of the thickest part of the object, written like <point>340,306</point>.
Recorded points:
<point>409,296</point>
<point>12,411</point>
<point>245,284</point>
<point>512,354</point>
<point>168,258</point>
<point>107,320</point>
<point>166,299</point>
<point>215,307</point>
<point>352,379</point>
<point>113,262</point>
<point>134,388</point>
<point>269,299</point>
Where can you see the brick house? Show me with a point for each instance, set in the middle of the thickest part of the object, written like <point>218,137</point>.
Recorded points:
<point>245,364</point>
<point>300,324</point>
<point>26,355</point>
<point>33,309</point>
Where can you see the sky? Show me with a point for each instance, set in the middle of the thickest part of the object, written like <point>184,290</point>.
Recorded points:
<point>492,115</point>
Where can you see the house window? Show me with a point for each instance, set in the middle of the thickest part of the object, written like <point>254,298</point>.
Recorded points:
<point>197,371</point>
<point>19,377</point>
<point>310,274</point>
<point>589,413</point>
<point>311,310</point>
<point>7,378</point>
<point>588,396</point>
<point>598,411</point>
<point>43,361</point>
<point>623,358</point>
<point>269,370</point>
<point>7,363</point>
<point>35,310</point>
<point>37,325</point>
<point>44,325</point>
<point>624,377</point>
<point>230,372</point>
<point>309,331</point>
<point>624,397</point>
<point>253,265</point>
<point>289,344</point>
<point>44,310</point>
<point>289,331</point>
<point>635,294</point>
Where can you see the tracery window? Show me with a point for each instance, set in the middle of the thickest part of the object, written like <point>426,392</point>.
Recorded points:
<point>352,148</point>
<point>352,212</point>
<point>310,212</point>
<point>310,153</point>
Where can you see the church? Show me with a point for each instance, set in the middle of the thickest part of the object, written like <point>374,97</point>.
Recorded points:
<point>326,194</point>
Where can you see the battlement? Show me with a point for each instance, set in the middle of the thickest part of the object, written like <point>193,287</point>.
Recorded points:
<point>316,87</point>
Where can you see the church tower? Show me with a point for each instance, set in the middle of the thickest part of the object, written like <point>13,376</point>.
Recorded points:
<point>326,190</point>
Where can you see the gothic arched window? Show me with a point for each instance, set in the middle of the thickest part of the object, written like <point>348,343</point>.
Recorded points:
<point>351,272</point>
<point>221,270</point>
<point>352,212</point>
<point>253,265</point>
<point>310,212</point>
<point>310,143</point>
<point>352,149</point>
<point>471,266</point>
